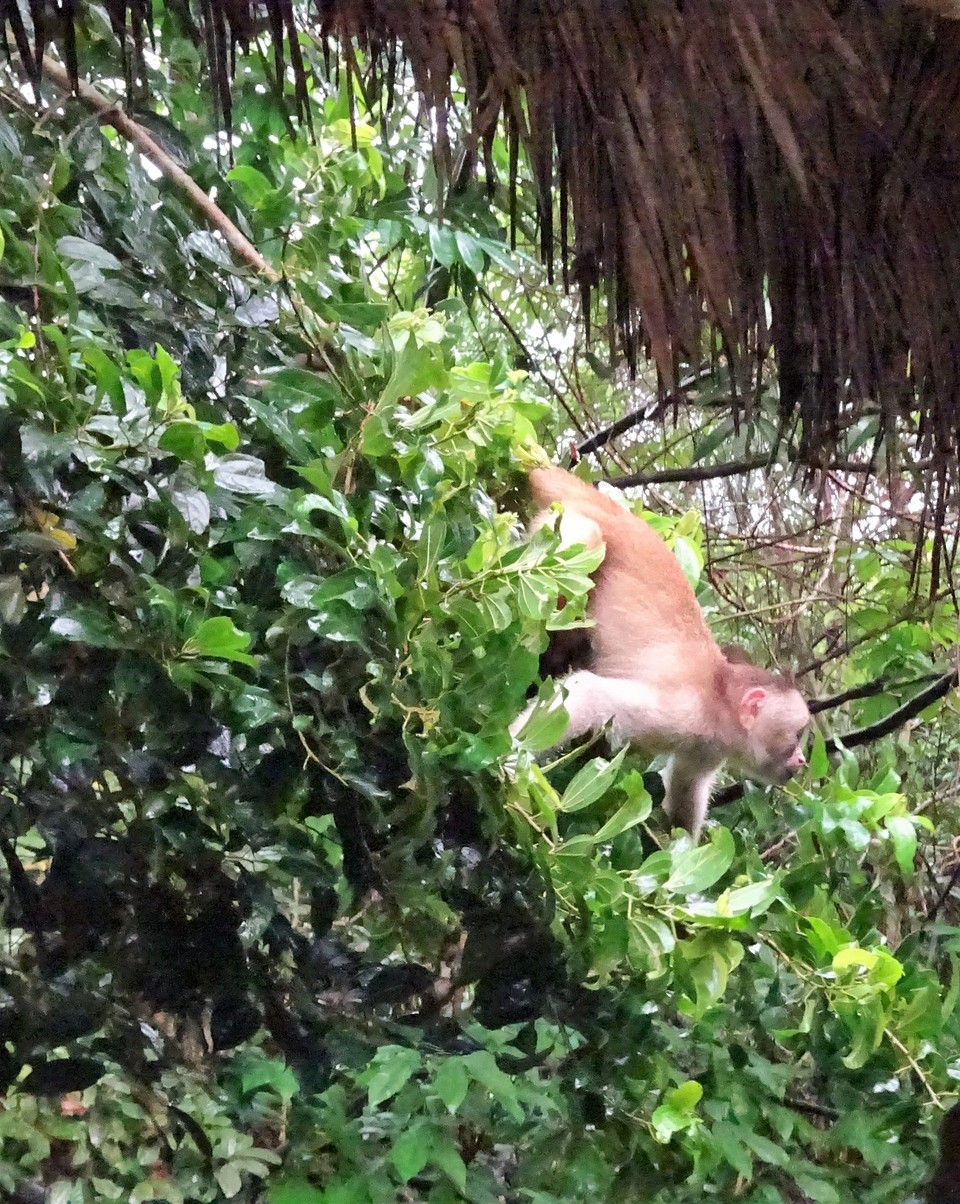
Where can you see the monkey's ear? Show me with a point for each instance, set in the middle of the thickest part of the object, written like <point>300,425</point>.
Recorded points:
<point>750,705</point>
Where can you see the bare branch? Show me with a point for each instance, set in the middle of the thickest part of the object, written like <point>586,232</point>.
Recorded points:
<point>705,472</point>
<point>896,719</point>
<point>944,894</point>
<point>602,438</point>
<point>869,689</point>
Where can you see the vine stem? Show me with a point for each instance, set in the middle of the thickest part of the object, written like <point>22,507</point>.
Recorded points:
<point>898,1044</point>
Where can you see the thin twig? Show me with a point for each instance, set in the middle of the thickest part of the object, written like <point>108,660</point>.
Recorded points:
<point>515,335</point>
<point>944,894</point>
<point>895,1040</point>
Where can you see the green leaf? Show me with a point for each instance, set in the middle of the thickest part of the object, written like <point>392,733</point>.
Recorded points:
<point>826,938</point>
<point>709,976</point>
<point>886,972</point>
<point>364,315</point>
<point>242,474</point>
<point>903,834</point>
<point>451,1083</point>
<point>862,959</point>
<point>392,1068</point>
<point>445,1154</point>
<point>228,1177</point>
<point>634,811</point>
<point>820,1191</point>
<point>482,1067</point>
<point>193,504</point>
<point>649,939</point>
<point>591,783</point>
<point>685,1097</point>
<point>224,433</point>
<point>754,898</point>
<point>728,1141</point>
<point>470,251</point>
<point>257,1072</point>
<point>13,602</point>
<point>691,561</point>
<point>83,251</point>
<point>85,625</point>
<point>295,1191</point>
<point>443,244</point>
<point>545,724</point>
<point>865,1020</point>
<point>416,370</point>
<point>695,869</point>
<point>653,872</point>
<point>108,378</point>
<point>765,1149</point>
<point>819,761</point>
<point>411,1151</point>
<point>220,639</point>
<point>185,441</point>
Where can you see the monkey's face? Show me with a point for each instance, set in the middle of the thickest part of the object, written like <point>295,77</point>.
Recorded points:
<point>774,724</point>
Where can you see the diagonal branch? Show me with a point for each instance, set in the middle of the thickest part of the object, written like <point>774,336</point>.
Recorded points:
<point>869,689</point>
<point>707,472</point>
<point>897,718</point>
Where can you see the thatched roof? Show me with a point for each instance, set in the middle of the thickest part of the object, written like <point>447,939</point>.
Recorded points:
<point>758,170</point>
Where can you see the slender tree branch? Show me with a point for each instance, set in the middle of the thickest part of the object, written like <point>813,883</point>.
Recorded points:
<point>869,689</point>
<point>694,472</point>
<point>515,335</point>
<point>896,719</point>
<point>602,438</point>
<point>842,649</point>
<point>705,472</point>
<point>653,409</point>
<point>801,1105</point>
<point>111,114</point>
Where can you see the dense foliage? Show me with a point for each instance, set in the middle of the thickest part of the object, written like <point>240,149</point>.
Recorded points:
<point>286,918</point>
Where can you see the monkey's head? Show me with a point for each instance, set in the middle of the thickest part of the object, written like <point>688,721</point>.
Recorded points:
<point>773,718</point>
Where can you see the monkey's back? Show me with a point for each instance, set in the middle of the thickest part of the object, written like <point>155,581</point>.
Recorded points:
<point>652,621</point>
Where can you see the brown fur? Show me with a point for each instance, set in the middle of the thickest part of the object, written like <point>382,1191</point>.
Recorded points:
<point>651,616</point>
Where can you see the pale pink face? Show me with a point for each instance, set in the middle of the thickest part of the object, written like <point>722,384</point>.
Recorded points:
<point>775,724</point>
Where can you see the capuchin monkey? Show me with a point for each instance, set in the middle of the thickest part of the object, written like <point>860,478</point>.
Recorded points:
<point>656,675</point>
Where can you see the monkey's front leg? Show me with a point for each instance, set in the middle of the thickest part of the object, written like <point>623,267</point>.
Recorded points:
<point>641,714</point>
<point>633,710</point>
<point>689,778</point>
